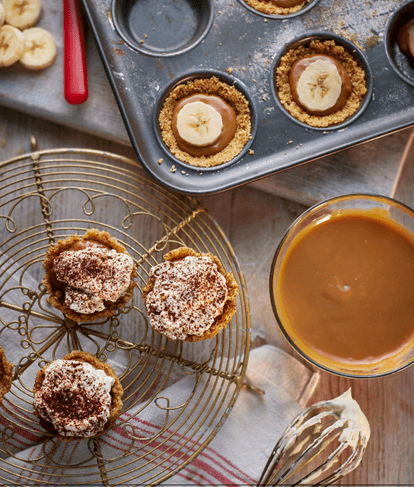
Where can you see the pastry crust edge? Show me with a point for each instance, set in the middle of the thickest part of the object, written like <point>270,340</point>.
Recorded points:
<point>208,86</point>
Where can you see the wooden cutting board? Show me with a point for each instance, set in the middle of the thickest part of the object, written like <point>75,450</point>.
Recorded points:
<point>371,167</point>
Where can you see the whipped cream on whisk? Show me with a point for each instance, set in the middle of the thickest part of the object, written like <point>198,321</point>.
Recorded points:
<point>355,424</point>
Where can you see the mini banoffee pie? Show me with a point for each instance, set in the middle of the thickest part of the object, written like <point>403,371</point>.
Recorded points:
<point>320,84</point>
<point>89,277</point>
<point>77,397</point>
<point>6,371</point>
<point>190,296</point>
<point>205,122</point>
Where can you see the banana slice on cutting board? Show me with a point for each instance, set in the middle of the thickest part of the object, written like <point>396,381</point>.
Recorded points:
<point>39,50</point>
<point>199,124</point>
<point>2,14</point>
<point>11,45</point>
<point>22,13</point>
<point>319,86</point>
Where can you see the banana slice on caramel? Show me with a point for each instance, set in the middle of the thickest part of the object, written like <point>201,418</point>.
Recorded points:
<point>203,124</point>
<point>199,124</point>
<point>320,84</point>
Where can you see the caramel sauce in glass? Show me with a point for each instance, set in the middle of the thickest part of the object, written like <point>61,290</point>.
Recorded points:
<point>228,116</point>
<point>345,288</point>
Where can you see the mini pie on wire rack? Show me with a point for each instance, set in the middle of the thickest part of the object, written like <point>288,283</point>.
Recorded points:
<point>57,294</point>
<point>229,308</point>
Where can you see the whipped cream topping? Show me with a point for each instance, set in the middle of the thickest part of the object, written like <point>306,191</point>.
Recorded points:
<point>93,275</point>
<point>75,397</point>
<point>349,420</point>
<point>187,297</point>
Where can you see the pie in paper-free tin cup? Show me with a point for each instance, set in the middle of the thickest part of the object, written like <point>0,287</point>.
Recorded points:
<point>342,285</point>
<point>342,52</point>
<point>214,84</point>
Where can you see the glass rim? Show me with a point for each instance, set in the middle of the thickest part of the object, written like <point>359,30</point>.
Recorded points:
<point>292,226</point>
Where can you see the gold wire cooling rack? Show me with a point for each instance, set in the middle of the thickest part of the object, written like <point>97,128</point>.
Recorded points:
<point>176,394</point>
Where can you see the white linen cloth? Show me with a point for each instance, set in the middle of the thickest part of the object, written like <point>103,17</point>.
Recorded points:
<point>236,455</point>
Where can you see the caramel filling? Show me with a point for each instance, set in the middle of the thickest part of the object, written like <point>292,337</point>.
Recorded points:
<point>299,68</point>
<point>228,116</point>
<point>406,40</point>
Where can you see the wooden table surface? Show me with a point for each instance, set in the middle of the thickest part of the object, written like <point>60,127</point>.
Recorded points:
<point>254,221</point>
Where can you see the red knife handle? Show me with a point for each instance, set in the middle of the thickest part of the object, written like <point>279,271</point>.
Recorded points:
<point>75,80</point>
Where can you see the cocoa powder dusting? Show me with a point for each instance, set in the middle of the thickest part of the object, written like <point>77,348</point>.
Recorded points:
<point>187,297</point>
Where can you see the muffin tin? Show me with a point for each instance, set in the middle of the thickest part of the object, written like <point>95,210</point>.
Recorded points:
<point>148,48</point>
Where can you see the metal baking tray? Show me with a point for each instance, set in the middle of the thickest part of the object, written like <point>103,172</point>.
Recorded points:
<point>148,47</point>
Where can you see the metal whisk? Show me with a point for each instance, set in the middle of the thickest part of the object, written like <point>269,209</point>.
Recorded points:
<point>340,420</point>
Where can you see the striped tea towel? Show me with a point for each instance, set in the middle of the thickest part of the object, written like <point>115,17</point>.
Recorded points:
<point>235,457</point>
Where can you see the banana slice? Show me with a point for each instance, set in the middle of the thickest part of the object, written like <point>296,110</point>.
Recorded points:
<point>2,15</point>
<point>199,124</point>
<point>319,86</point>
<point>40,48</point>
<point>11,45</point>
<point>22,13</point>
